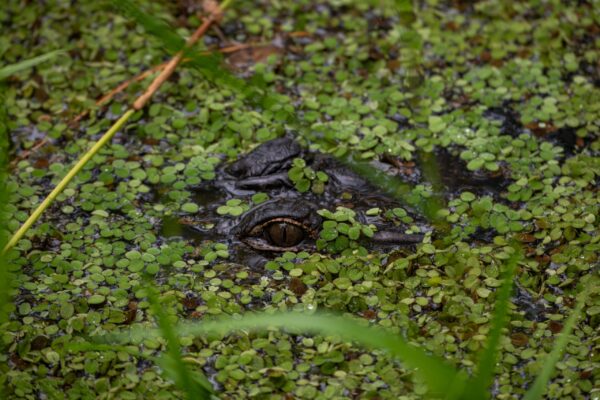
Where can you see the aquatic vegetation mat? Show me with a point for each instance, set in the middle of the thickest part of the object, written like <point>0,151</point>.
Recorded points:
<point>475,123</point>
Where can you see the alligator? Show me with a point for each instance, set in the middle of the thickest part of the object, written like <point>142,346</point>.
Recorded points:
<point>289,220</point>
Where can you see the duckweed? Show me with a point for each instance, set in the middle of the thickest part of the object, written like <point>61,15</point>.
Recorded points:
<point>507,89</point>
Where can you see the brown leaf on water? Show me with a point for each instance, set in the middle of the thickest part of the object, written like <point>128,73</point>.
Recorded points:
<point>369,314</point>
<point>41,163</point>
<point>18,362</point>
<point>585,374</point>
<point>555,326</point>
<point>541,128</point>
<point>297,286</point>
<point>519,339</point>
<point>190,302</point>
<point>526,238</point>
<point>131,312</point>
<point>543,259</point>
<point>40,342</point>
<point>246,58</point>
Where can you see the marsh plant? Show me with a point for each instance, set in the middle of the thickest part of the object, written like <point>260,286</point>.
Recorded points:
<point>93,303</point>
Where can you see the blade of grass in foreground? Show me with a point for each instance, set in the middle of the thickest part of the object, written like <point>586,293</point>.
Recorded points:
<point>152,25</point>
<point>541,381</point>
<point>66,180</point>
<point>442,379</point>
<point>137,105</point>
<point>5,72</point>
<point>432,174</point>
<point>4,273</point>
<point>395,187</point>
<point>5,279</point>
<point>487,360</point>
<point>9,70</point>
<point>167,36</point>
<point>172,363</point>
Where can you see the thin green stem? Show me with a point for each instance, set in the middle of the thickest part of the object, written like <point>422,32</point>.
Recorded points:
<point>138,104</point>
<point>541,381</point>
<point>487,360</point>
<point>185,380</point>
<point>9,70</point>
<point>225,4</point>
<point>442,379</point>
<point>65,181</point>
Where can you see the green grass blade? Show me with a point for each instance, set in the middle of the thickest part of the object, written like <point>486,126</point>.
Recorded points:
<point>431,205</point>
<point>86,346</point>
<point>158,28</point>
<point>66,180</point>
<point>487,360</point>
<point>172,364</point>
<point>152,25</point>
<point>9,70</point>
<point>5,278</point>
<point>442,379</point>
<point>395,187</point>
<point>541,381</point>
<point>209,65</point>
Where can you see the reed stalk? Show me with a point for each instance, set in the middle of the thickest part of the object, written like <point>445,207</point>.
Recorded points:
<point>138,104</point>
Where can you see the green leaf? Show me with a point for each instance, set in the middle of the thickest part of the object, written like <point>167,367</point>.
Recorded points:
<point>541,381</point>
<point>341,243</point>
<point>475,164</point>
<point>223,210</point>
<point>302,185</point>
<point>436,124</point>
<point>325,213</point>
<point>328,234</point>
<point>190,207</point>
<point>154,26</point>
<point>342,227</point>
<point>96,299</point>
<point>322,176</point>
<point>258,198</point>
<point>318,187</point>
<point>373,211</point>
<point>309,173</point>
<point>367,231</point>
<point>9,70</point>
<point>236,211</point>
<point>492,166</point>
<point>487,360</point>
<point>299,163</point>
<point>330,225</point>
<point>193,387</point>
<point>354,232</point>
<point>295,174</point>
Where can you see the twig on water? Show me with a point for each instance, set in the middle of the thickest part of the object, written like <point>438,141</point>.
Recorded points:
<point>143,75</point>
<point>124,85</point>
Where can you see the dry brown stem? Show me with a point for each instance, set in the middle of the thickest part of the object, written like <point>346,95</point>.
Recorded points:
<point>172,64</point>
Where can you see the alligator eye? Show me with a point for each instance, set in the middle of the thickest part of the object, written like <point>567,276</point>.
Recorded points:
<point>284,234</point>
